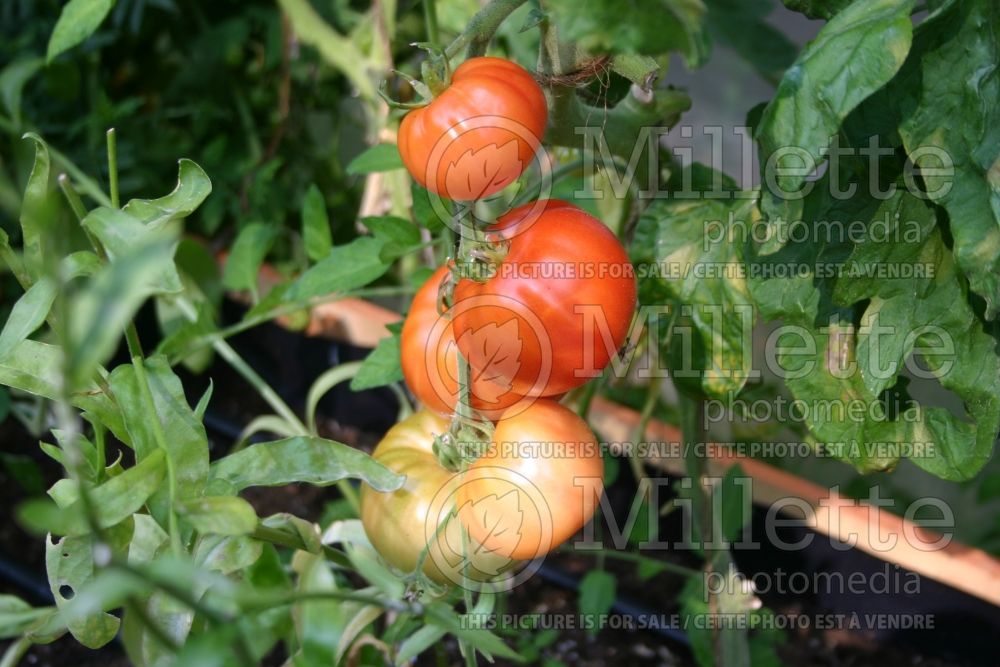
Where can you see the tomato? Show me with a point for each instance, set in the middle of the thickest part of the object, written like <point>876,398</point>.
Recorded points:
<point>557,307</point>
<point>536,485</point>
<point>478,135</point>
<point>430,358</point>
<point>401,523</point>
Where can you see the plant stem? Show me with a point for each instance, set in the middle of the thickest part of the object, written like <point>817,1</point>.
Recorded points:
<point>431,22</point>
<point>113,167</point>
<point>15,652</point>
<point>639,558</point>
<point>481,28</point>
<point>275,536</point>
<point>285,309</point>
<point>146,395</point>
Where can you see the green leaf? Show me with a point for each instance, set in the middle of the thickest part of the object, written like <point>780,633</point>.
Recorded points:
<point>690,242</point>
<point>39,212</point>
<point>377,158</point>
<point>817,9</point>
<point>597,595</point>
<point>442,615</point>
<point>78,21</point>
<point>122,234</point>
<point>742,26</point>
<point>346,267</point>
<point>648,27</point>
<point>854,55</point>
<point>193,187</point>
<point>381,367</point>
<point>17,616</point>
<point>12,80</point>
<point>303,534</point>
<point>35,368</point>
<point>391,229</point>
<point>246,256</point>
<point>219,515</point>
<point>315,225</point>
<point>100,313</point>
<point>948,107</point>
<point>425,213</point>
<point>901,315</point>
<point>114,501</point>
<point>302,459</point>
<point>186,441</point>
<point>70,566</point>
<point>28,314</point>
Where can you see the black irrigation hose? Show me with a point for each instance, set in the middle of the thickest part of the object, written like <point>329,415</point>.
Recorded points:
<point>560,578</point>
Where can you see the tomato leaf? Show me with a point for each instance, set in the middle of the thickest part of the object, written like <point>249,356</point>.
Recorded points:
<point>377,158</point>
<point>691,241</point>
<point>193,187</point>
<point>346,267</point>
<point>650,27</point>
<point>854,55</point>
<point>947,109</point>
<point>380,367</point>
<point>315,225</point>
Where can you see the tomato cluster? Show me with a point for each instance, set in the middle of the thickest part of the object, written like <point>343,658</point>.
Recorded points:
<point>547,310</point>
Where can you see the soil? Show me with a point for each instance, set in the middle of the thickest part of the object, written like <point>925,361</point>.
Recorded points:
<point>357,420</point>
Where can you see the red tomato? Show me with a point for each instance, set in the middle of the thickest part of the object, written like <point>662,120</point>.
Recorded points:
<point>478,136</point>
<point>537,485</point>
<point>558,306</point>
<point>430,359</point>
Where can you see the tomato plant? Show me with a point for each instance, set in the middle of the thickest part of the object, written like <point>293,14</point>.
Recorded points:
<point>153,419</point>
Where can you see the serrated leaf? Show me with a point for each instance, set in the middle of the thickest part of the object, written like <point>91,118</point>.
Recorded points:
<point>346,267</point>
